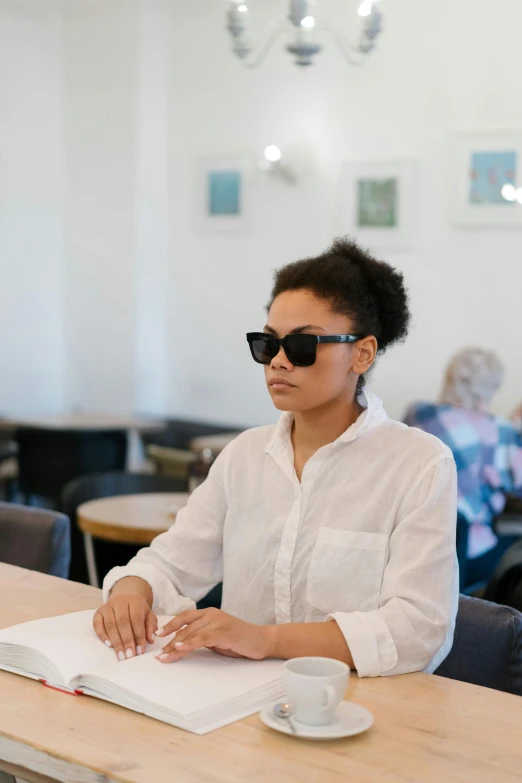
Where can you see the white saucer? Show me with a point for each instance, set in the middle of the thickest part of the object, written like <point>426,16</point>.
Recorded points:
<point>349,720</point>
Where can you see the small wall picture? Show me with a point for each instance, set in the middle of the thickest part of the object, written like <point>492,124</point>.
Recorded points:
<point>223,195</point>
<point>485,179</point>
<point>490,172</point>
<point>377,202</point>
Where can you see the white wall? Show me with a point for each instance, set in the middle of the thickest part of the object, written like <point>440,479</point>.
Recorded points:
<point>148,87</point>
<point>31,203</point>
<point>153,269</point>
<point>440,67</point>
<point>100,100</point>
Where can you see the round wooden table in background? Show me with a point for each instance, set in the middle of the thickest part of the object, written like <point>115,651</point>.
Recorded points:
<point>132,519</point>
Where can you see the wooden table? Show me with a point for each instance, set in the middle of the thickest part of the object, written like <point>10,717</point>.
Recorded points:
<point>81,421</point>
<point>427,729</point>
<point>133,519</point>
<point>133,425</point>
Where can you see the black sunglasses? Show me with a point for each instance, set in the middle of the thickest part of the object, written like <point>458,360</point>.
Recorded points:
<point>301,349</point>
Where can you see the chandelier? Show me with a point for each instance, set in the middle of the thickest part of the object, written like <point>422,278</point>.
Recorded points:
<point>304,27</point>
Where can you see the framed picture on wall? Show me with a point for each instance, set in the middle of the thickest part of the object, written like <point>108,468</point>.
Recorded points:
<point>224,195</point>
<point>377,203</point>
<point>485,179</point>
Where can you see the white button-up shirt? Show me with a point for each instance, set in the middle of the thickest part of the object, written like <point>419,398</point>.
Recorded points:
<point>367,539</point>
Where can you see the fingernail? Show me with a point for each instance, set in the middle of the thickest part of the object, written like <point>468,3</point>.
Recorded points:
<point>179,644</point>
<point>163,657</point>
<point>129,653</point>
<point>121,656</point>
<point>138,649</point>
<point>160,631</point>
<point>107,642</point>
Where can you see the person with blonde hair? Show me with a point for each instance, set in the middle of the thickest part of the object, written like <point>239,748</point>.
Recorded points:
<point>487,450</point>
<point>472,378</point>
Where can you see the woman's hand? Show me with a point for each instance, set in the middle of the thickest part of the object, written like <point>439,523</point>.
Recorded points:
<point>126,623</point>
<point>216,630</point>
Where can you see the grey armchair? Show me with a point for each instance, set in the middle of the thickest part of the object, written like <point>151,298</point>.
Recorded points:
<point>487,649</point>
<point>36,539</point>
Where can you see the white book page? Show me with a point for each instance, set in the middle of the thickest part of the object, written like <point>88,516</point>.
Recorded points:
<point>200,681</point>
<point>69,641</point>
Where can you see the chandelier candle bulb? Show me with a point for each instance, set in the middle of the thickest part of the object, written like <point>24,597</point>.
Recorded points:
<point>303,44</point>
<point>237,19</point>
<point>299,10</point>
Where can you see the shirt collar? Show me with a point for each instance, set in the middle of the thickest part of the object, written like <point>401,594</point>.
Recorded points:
<point>373,415</point>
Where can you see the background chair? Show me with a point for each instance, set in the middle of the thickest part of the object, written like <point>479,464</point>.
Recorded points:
<point>509,523</point>
<point>35,538</point>
<point>8,469</point>
<point>49,458</point>
<point>103,485</point>
<point>487,649</point>
<point>171,462</point>
<point>505,586</point>
<point>178,433</point>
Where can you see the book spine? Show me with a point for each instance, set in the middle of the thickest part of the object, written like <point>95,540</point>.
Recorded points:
<point>61,690</point>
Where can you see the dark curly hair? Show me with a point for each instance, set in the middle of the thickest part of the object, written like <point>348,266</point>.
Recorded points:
<point>370,292</point>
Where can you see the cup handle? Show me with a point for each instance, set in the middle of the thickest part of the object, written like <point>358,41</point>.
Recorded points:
<point>331,698</point>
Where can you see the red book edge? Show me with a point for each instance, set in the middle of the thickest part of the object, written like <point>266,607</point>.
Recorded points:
<point>61,690</point>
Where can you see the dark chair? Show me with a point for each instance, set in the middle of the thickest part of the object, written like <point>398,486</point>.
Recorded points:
<point>8,469</point>
<point>35,538</point>
<point>103,485</point>
<point>49,458</point>
<point>487,649</point>
<point>8,450</point>
<point>505,586</point>
<point>509,523</point>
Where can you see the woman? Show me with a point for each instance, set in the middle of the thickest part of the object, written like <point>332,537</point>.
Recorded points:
<point>335,514</point>
<point>487,451</point>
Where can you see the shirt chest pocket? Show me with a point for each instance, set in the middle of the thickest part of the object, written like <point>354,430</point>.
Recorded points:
<point>346,569</point>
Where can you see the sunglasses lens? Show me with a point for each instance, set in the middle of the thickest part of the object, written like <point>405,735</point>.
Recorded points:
<point>263,348</point>
<point>301,349</point>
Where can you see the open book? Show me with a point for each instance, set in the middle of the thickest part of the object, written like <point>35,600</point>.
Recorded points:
<point>199,693</point>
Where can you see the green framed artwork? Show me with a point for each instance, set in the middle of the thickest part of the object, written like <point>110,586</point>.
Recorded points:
<point>377,203</point>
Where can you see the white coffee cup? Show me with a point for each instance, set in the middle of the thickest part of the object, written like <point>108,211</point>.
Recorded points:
<point>314,688</point>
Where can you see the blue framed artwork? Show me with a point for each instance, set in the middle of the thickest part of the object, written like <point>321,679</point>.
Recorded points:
<point>490,171</point>
<point>485,179</point>
<point>224,195</point>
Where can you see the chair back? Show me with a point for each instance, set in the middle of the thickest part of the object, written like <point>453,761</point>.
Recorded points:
<point>49,458</point>
<point>103,485</point>
<point>171,462</point>
<point>35,538</point>
<point>487,649</point>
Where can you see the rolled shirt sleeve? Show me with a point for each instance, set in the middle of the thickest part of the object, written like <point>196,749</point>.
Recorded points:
<point>419,597</point>
<point>185,563</point>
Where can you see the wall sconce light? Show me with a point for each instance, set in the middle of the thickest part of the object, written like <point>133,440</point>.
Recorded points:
<point>272,164</point>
